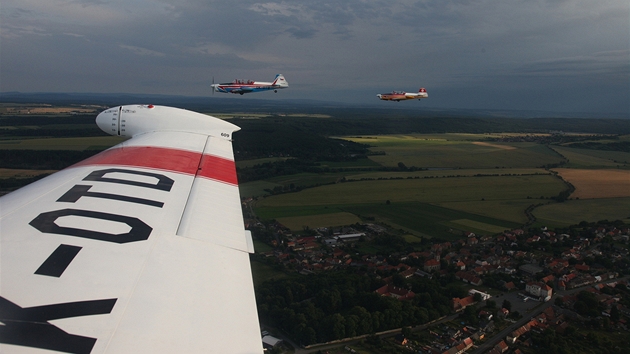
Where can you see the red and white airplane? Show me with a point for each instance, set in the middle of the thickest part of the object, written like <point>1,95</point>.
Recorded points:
<point>401,95</point>
<point>138,249</point>
<point>247,86</point>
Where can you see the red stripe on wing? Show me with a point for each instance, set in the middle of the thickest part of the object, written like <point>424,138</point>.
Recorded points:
<point>174,160</point>
<point>218,168</point>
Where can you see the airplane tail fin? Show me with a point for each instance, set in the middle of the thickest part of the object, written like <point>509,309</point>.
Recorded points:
<point>280,81</point>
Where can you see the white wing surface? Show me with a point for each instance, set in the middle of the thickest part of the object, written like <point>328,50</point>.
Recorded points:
<point>139,249</point>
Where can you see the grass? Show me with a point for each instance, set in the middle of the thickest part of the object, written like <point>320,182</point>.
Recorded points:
<point>297,223</point>
<point>89,143</point>
<point>296,211</point>
<point>262,272</point>
<point>456,151</point>
<point>430,220</point>
<point>261,247</point>
<point>251,163</point>
<point>307,179</point>
<point>428,207</point>
<point>419,219</point>
<point>509,210</point>
<point>433,190</point>
<point>447,173</point>
<point>255,188</point>
<point>468,155</point>
<point>412,238</point>
<point>574,211</point>
<point>359,163</point>
<point>593,159</point>
<point>477,225</point>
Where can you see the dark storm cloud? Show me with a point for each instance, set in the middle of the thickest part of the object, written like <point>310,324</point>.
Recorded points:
<point>346,50</point>
<point>613,63</point>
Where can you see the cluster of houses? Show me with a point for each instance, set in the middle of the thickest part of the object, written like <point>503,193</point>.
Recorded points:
<point>534,270</point>
<point>553,317</point>
<point>470,259</point>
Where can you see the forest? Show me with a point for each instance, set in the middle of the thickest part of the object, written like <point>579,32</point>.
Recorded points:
<point>335,305</point>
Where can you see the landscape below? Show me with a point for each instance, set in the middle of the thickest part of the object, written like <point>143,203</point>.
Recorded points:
<point>420,179</point>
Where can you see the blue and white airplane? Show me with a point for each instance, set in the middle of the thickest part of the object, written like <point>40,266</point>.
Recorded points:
<point>247,86</point>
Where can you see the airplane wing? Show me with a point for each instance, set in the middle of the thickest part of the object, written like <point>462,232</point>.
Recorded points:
<point>244,89</point>
<point>139,249</point>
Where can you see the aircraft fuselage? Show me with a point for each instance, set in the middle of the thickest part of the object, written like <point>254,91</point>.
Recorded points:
<point>402,96</point>
<point>247,86</point>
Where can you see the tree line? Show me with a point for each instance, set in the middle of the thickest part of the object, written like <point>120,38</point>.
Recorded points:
<point>335,305</point>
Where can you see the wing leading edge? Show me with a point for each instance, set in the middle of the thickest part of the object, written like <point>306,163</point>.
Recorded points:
<point>141,248</point>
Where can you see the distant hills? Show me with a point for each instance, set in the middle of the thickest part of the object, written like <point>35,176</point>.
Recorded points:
<point>255,104</point>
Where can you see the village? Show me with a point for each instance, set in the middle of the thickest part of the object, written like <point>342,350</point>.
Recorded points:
<point>520,282</point>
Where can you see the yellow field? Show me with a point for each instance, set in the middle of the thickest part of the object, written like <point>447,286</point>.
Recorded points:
<point>504,147</point>
<point>591,184</point>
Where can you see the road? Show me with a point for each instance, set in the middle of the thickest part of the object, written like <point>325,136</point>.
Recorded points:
<point>491,342</point>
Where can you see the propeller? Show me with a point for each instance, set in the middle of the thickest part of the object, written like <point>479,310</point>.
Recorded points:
<point>213,88</point>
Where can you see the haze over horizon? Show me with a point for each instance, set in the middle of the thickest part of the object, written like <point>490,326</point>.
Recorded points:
<point>552,55</point>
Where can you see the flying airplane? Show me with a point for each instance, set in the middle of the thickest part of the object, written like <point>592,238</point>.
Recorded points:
<point>138,249</point>
<point>401,95</point>
<point>247,86</point>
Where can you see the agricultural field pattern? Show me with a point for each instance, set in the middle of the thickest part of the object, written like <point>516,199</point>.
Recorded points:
<point>459,182</point>
<point>424,184</point>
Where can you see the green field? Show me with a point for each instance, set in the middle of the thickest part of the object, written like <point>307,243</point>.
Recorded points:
<point>88,143</point>
<point>359,163</point>
<point>319,220</point>
<point>473,185</point>
<point>480,204</point>
<point>255,189</point>
<point>470,184</point>
<point>446,173</point>
<point>262,272</point>
<point>477,225</point>
<point>575,211</point>
<point>594,159</point>
<point>456,151</point>
<point>430,220</point>
<point>251,163</point>
<point>508,210</point>
<point>429,190</point>
<point>268,213</point>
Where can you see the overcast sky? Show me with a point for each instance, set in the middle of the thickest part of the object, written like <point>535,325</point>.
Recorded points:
<point>557,55</point>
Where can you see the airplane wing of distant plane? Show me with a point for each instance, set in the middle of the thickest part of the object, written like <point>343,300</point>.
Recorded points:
<point>139,249</point>
<point>244,89</point>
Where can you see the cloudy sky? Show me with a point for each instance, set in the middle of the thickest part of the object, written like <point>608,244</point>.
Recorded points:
<point>558,55</point>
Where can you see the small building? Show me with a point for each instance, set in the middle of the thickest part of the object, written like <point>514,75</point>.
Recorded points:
<point>395,292</point>
<point>431,265</point>
<point>530,269</point>
<point>541,290</point>
<point>460,304</point>
<point>350,237</point>
<point>270,342</point>
<point>484,296</point>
